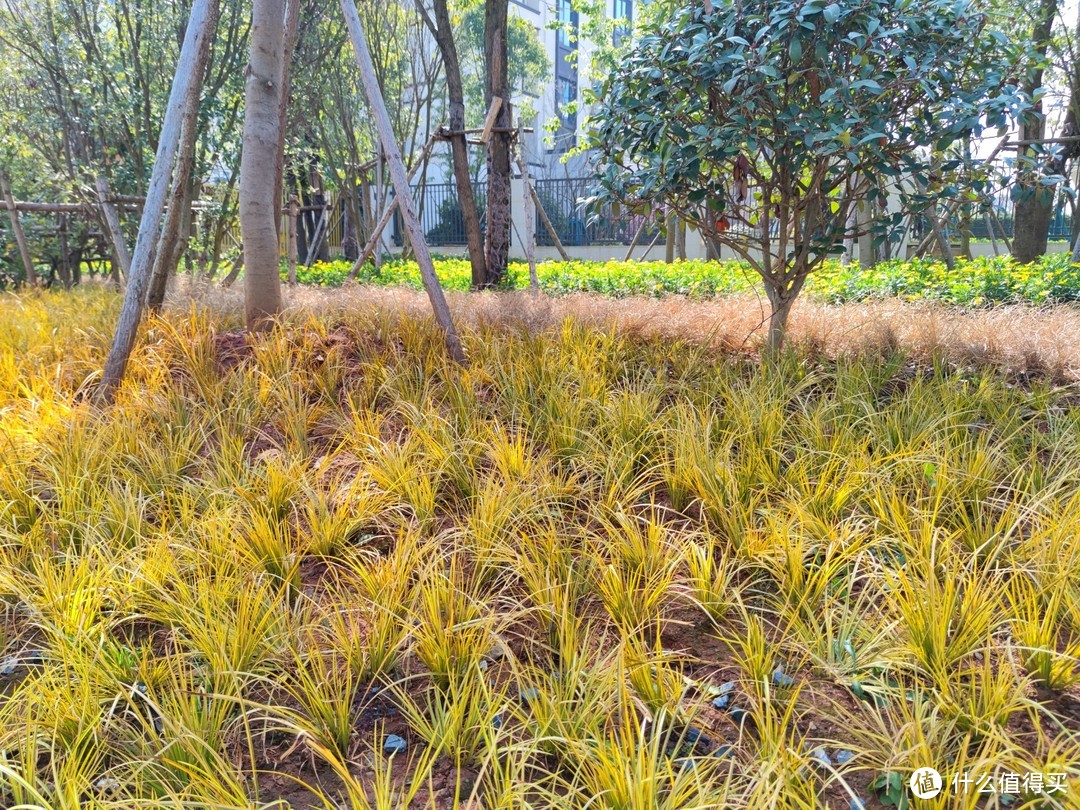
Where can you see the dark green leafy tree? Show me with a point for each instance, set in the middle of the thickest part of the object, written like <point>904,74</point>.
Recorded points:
<point>764,123</point>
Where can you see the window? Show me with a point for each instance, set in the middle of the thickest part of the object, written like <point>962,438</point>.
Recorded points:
<point>622,12</point>
<point>566,75</point>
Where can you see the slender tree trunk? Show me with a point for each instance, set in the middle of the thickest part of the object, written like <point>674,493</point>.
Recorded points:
<point>529,237</point>
<point>172,241</point>
<point>291,238</point>
<point>65,253</point>
<point>292,21</point>
<point>262,122</point>
<point>496,85</point>
<point>198,29</point>
<point>121,256</point>
<point>459,147</point>
<point>401,182</point>
<point>1034,208</point>
<point>20,237</point>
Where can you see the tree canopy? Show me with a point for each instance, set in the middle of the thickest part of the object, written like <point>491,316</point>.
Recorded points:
<point>764,123</point>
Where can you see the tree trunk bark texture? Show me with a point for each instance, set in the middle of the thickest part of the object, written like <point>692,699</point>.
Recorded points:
<point>497,244</point>
<point>258,208</point>
<point>1034,209</point>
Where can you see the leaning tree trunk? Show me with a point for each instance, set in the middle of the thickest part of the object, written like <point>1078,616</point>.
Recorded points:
<point>198,29</point>
<point>459,148</point>
<point>258,208</point>
<point>496,85</point>
<point>178,218</point>
<point>17,229</point>
<point>1034,207</point>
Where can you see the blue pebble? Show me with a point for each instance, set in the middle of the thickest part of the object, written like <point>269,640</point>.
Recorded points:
<point>821,756</point>
<point>529,694</point>
<point>721,702</point>
<point>739,715</point>
<point>844,757</point>
<point>697,739</point>
<point>497,721</point>
<point>725,750</point>
<point>782,679</point>
<point>857,804</point>
<point>393,744</point>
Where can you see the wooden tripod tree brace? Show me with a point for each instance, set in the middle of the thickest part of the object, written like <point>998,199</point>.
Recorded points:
<point>401,183</point>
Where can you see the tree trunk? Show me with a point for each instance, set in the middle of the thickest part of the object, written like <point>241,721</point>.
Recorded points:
<point>401,183</point>
<point>20,237</point>
<point>780,302</point>
<point>529,237</point>
<point>459,148</point>
<point>172,236</point>
<point>292,20</point>
<point>262,122</point>
<point>1034,208</point>
<point>121,256</point>
<point>198,29</point>
<point>669,239</point>
<point>497,247</point>
<point>291,238</point>
<point>65,253</point>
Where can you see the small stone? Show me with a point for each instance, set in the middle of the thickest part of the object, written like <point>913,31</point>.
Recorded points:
<point>725,750</point>
<point>782,679</point>
<point>857,804</point>
<point>843,757</point>
<point>740,716</point>
<point>393,744</point>
<point>107,785</point>
<point>695,738</point>
<point>497,721</point>
<point>721,702</point>
<point>821,756</point>
<point>722,689</point>
<point>8,666</point>
<point>483,665</point>
<point>529,694</point>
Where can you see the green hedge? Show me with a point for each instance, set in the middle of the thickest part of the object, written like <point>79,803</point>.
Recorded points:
<point>976,282</point>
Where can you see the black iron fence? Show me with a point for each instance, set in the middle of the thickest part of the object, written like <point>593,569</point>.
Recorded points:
<point>562,200</point>
<point>441,219</point>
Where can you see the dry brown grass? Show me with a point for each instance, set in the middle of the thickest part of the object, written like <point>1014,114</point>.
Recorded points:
<point>1018,338</point>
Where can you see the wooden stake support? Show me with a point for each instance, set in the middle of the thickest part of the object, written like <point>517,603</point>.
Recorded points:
<point>401,182</point>
<point>489,122</point>
<point>20,237</point>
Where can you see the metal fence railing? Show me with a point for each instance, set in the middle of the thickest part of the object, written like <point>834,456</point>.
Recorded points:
<point>439,209</point>
<point>562,200</point>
